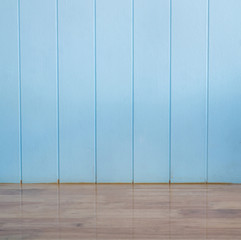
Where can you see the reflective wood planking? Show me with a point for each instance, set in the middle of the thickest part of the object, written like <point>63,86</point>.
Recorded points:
<point>120,211</point>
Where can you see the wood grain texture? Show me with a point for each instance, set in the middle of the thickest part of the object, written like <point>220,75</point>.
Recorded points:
<point>108,211</point>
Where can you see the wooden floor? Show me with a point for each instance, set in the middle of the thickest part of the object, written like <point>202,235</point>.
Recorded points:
<point>72,211</point>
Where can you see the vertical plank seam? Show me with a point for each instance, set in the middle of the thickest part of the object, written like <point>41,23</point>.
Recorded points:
<point>207,87</point>
<point>20,96</point>
<point>95,93</point>
<point>170,94</point>
<point>57,85</point>
<point>132,97</point>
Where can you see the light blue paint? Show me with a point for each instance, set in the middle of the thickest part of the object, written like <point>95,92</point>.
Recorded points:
<point>113,75</point>
<point>57,86</point>
<point>132,93</point>
<point>120,90</point>
<point>20,97</point>
<point>9,107</point>
<point>151,76</point>
<point>170,99</point>
<point>76,76</point>
<point>207,89</point>
<point>225,91</point>
<point>95,116</point>
<point>188,122</point>
<point>38,78</point>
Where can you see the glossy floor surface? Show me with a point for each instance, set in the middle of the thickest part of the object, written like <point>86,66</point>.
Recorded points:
<point>66,211</point>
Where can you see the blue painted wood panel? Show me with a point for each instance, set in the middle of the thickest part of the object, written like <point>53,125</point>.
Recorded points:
<point>9,107</point>
<point>225,92</point>
<point>151,91</point>
<point>39,113</point>
<point>76,86</point>
<point>119,91</point>
<point>113,76</point>
<point>188,90</point>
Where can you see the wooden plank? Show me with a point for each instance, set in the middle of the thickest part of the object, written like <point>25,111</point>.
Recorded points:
<point>225,94</point>
<point>151,81</point>
<point>9,90</point>
<point>113,33</point>
<point>120,211</point>
<point>39,112</point>
<point>77,84</point>
<point>188,87</point>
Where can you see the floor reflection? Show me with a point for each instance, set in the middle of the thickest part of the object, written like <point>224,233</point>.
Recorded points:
<point>125,211</point>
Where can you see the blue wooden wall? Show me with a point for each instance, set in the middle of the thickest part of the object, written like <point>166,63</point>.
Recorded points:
<point>120,91</point>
